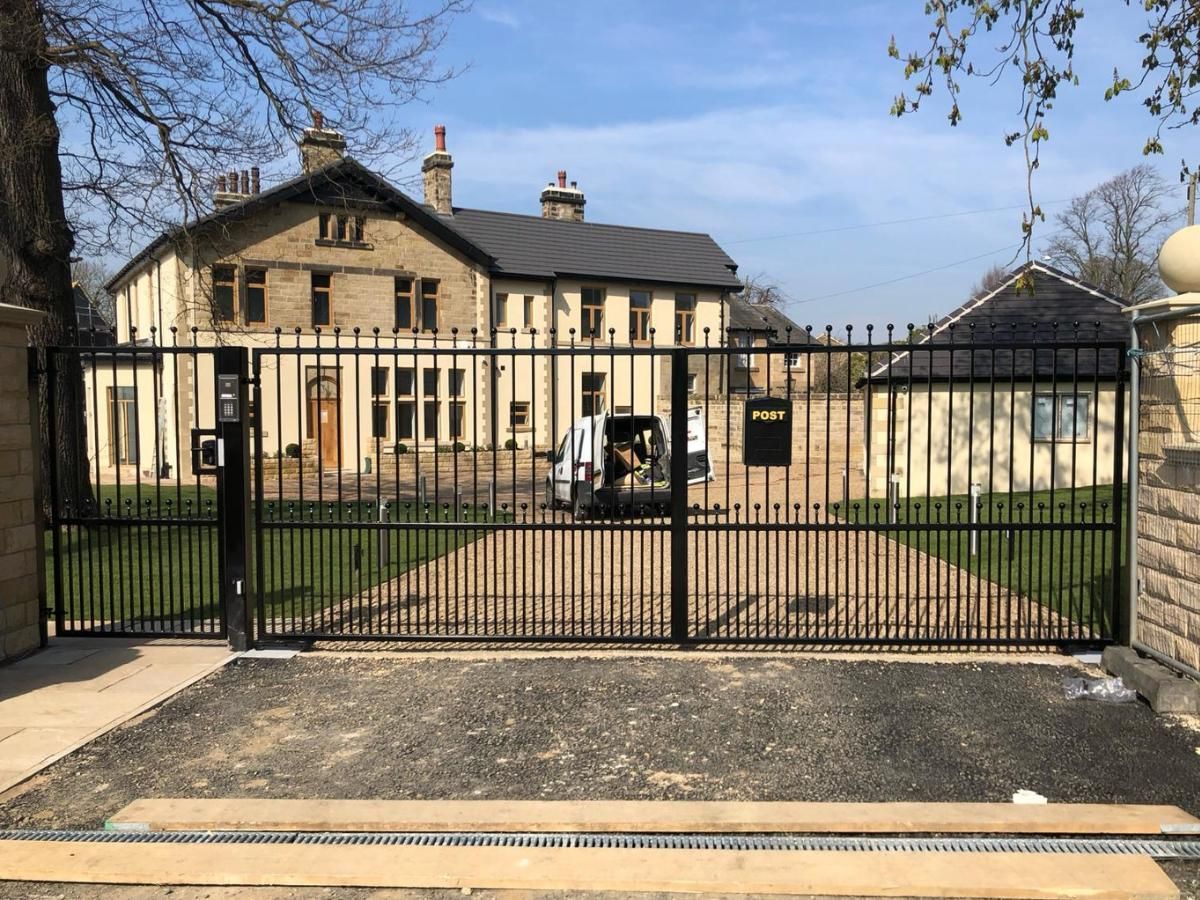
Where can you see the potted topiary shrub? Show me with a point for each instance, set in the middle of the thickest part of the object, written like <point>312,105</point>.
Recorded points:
<point>292,451</point>
<point>510,444</point>
<point>401,448</point>
<point>459,446</point>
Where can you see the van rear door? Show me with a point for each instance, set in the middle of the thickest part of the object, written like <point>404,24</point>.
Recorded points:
<point>700,467</point>
<point>598,424</point>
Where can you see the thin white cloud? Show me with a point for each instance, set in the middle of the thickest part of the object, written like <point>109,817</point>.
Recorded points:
<point>499,16</point>
<point>741,173</point>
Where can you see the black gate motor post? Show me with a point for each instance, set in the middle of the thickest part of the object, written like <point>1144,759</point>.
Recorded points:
<point>233,494</point>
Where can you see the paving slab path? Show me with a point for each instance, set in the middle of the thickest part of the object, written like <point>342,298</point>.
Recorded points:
<point>78,688</point>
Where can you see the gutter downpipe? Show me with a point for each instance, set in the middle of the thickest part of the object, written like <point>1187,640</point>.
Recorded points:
<point>1134,386</point>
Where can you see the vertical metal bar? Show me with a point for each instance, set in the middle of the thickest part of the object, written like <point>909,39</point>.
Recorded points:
<point>1121,617</point>
<point>259,536</point>
<point>55,499</point>
<point>679,573</point>
<point>233,510</point>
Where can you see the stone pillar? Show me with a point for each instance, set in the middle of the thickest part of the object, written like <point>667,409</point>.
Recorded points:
<point>20,528</point>
<point>1167,517</point>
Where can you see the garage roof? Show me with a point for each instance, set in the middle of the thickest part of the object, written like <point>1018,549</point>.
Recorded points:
<point>1060,308</point>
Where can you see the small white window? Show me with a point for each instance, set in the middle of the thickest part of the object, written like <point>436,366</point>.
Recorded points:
<point>691,382</point>
<point>1067,422</point>
<point>741,360</point>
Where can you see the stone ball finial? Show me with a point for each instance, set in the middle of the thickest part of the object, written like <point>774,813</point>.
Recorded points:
<point>1179,260</point>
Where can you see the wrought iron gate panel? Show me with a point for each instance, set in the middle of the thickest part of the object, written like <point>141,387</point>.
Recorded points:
<point>134,543</point>
<point>923,503</point>
<point>422,512</point>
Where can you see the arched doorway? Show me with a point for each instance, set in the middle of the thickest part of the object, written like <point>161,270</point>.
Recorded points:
<point>324,415</point>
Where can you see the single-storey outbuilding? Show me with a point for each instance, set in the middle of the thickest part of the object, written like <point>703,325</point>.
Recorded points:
<point>1016,390</point>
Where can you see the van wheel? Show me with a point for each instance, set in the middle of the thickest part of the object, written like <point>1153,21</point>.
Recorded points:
<point>578,510</point>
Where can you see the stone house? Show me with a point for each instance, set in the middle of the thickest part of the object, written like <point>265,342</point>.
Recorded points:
<point>753,326</point>
<point>338,248</point>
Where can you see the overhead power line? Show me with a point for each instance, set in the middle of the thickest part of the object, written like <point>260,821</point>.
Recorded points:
<point>867,287</point>
<point>953,215</point>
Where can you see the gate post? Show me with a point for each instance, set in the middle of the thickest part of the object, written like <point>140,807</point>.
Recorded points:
<point>679,496</point>
<point>233,493</point>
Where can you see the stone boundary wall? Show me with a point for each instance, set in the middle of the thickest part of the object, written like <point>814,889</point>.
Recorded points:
<point>406,464</point>
<point>1168,508</point>
<point>810,416</point>
<point>20,534</point>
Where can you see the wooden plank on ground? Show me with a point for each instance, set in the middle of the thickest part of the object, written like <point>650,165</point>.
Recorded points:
<point>824,873</point>
<point>644,816</point>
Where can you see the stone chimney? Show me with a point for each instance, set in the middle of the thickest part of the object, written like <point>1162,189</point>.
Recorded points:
<point>234,187</point>
<point>320,146</point>
<point>562,202</point>
<point>435,171</point>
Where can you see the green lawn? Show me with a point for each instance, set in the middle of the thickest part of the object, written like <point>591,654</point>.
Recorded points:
<point>1066,570</point>
<point>169,573</point>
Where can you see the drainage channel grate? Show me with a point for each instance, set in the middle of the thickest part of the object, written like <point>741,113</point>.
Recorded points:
<point>1159,849</point>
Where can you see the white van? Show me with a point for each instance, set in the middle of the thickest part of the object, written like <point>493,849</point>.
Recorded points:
<point>622,463</point>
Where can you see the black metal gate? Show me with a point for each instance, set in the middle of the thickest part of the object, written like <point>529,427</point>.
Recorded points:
<point>461,489</point>
<point>135,540</point>
<point>965,490</point>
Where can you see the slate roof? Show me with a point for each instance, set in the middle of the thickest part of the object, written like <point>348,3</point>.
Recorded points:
<point>1061,308</point>
<point>534,247</point>
<point>94,329</point>
<point>744,316</point>
<point>506,243</point>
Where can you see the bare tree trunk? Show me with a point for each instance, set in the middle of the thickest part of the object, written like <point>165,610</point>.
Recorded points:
<point>35,238</point>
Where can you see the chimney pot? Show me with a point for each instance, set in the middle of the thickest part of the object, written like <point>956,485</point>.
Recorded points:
<point>439,138</point>
<point>221,184</point>
<point>254,180</point>
<point>318,119</point>
<point>233,181</point>
<point>574,184</point>
<point>245,182</point>
<point>562,178</point>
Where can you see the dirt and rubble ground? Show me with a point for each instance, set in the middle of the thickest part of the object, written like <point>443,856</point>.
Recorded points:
<point>596,725</point>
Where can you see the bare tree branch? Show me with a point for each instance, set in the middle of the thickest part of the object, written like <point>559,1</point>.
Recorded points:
<point>1110,236</point>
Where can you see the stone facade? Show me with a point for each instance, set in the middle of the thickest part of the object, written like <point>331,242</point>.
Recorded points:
<point>283,240</point>
<point>20,536</point>
<point>1168,507</point>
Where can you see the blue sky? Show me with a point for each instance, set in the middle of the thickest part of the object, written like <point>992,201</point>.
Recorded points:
<point>763,122</point>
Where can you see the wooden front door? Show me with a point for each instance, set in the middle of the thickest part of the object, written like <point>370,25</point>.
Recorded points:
<point>323,413</point>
